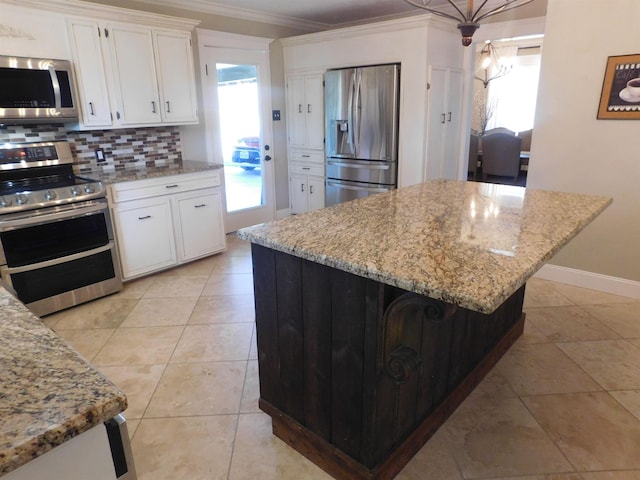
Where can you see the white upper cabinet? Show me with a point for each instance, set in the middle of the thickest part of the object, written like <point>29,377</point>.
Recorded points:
<point>174,63</point>
<point>90,74</point>
<point>134,70</point>
<point>132,75</point>
<point>305,111</point>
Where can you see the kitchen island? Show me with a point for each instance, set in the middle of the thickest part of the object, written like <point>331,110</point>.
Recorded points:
<point>377,317</point>
<point>49,394</point>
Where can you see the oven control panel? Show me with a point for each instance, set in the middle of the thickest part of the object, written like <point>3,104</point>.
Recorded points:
<point>27,155</point>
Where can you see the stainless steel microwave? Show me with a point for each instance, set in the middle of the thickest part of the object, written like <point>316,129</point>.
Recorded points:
<point>36,90</point>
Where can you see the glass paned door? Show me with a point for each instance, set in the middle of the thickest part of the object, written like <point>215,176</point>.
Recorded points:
<point>238,112</point>
<point>240,135</point>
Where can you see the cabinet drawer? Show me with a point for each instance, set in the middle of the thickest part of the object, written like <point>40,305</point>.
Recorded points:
<point>307,169</point>
<point>306,156</point>
<point>138,189</point>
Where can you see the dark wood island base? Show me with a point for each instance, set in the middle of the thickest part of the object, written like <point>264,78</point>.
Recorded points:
<point>356,374</point>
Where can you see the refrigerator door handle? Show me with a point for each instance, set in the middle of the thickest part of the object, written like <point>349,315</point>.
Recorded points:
<point>356,112</point>
<point>362,166</point>
<point>359,189</point>
<point>352,86</point>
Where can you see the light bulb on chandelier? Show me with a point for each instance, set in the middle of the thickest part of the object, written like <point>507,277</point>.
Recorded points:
<point>469,19</point>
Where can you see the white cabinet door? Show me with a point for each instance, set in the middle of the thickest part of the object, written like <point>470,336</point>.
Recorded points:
<point>443,124</point>
<point>134,74</point>
<point>305,111</point>
<point>176,77</point>
<point>314,97</point>
<point>201,231</point>
<point>299,196</point>
<point>296,116</point>
<point>316,193</point>
<point>144,230</point>
<point>85,39</point>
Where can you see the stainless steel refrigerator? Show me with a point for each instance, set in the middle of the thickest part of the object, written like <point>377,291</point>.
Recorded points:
<point>361,131</point>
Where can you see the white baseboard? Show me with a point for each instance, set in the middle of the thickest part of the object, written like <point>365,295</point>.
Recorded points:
<point>593,281</point>
<point>284,213</point>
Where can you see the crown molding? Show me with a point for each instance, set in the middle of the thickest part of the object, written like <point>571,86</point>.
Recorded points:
<point>403,23</point>
<point>206,6</point>
<point>103,12</point>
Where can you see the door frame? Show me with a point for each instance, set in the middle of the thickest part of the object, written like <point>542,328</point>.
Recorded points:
<point>242,44</point>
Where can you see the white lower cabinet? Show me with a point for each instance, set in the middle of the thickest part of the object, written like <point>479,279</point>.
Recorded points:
<point>306,181</point>
<point>163,222</point>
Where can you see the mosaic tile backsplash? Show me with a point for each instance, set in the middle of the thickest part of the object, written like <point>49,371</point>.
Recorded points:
<point>123,149</point>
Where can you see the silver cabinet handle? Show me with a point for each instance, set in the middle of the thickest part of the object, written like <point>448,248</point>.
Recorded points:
<point>310,189</point>
<point>145,217</point>
<point>308,108</point>
<point>299,108</point>
<point>302,187</point>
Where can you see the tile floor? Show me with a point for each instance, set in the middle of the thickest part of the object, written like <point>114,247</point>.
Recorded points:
<point>563,404</point>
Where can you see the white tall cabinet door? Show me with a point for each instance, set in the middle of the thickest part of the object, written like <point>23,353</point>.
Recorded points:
<point>89,68</point>
<point>174,61</point>
<point>135,74</point>
<point>305,108</point>
<point>443,122</point>
<point>144,230</point>
<point>200,217</point>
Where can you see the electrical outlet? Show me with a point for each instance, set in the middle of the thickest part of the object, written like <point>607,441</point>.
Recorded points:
<point>275,115</point>
<point>100,155</point>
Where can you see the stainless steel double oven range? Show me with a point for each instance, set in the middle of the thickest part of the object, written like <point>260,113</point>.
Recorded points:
<point>56,241</point>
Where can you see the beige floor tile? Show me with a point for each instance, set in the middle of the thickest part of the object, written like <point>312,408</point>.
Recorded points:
<point>200,267</point>
<point>232,264</point>
<point>433,461</point>
<point>258,454</point>
<point>543,293</point>
<point>253,353</point>
<point>87,342</point>
<point>592,429</point>
<point>585,296</point>
<point>135,288</point>
<point>498,437</point>
<point>185,448</point>
<point>614,364</point>
<point>214,342</point>
<point>230,284</point>
<point>191,389</point>
<point>138,383</point>
<point>159,312</point>
<point>251,390</point>
<point>568,324</point>
<point>171,286</point>
<point>236,246</point>
<point>139,346</point>
<point>623,318</point>
<point>542,369</point>
<point>223,309</point>
<point>629,399</point>
<point>531,334</point>
<point>551,476</point>
<point>620,475</point>
<point>106,312</point>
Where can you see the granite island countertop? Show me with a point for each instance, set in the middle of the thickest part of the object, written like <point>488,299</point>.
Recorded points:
<point>466,243</point>
<point>48,392</point>
<point>109,176</point>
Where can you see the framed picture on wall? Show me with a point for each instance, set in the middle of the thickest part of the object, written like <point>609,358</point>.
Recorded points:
<point>620,98</point>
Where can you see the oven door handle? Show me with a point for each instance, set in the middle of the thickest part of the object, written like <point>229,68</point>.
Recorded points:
<point>29,220</point>
<point>56,261</point>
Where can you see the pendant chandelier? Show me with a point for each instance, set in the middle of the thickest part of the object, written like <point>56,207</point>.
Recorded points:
<point>469,18</point>
<point>491,62</point>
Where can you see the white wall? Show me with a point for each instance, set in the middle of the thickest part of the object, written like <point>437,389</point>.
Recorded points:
<point>572,150</point>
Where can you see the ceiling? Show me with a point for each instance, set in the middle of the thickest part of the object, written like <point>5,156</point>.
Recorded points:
<point>325,14</point>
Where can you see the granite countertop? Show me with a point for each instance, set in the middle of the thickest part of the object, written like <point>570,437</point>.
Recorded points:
<point>141,173</point>
<point>467,243</point>
<point>48,392</point>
